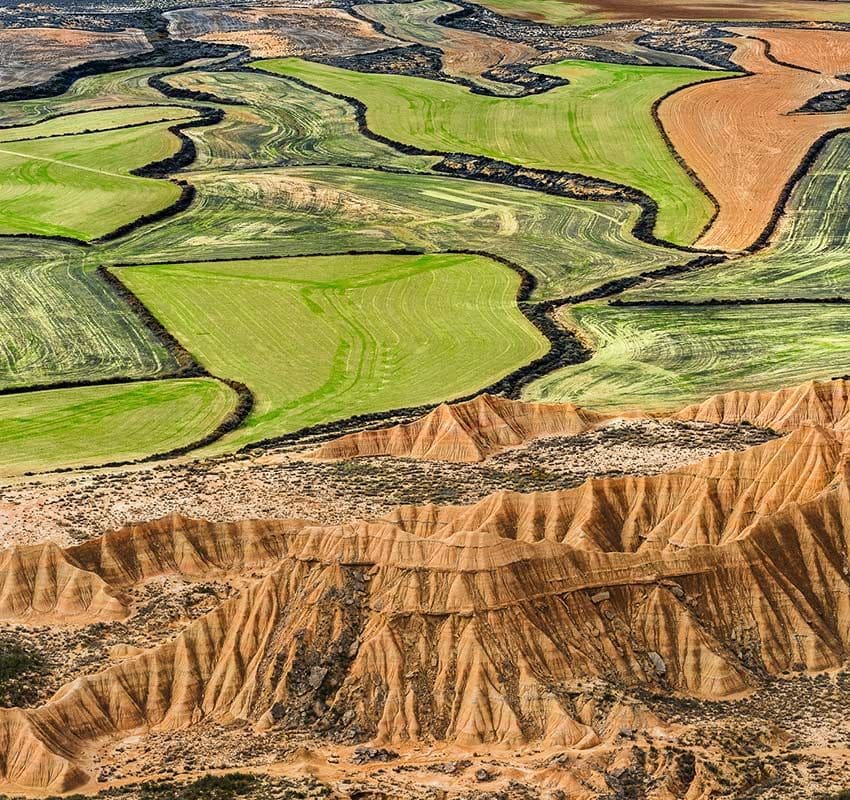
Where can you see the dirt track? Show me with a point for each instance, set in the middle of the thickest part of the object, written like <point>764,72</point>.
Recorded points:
<point>741,136</point>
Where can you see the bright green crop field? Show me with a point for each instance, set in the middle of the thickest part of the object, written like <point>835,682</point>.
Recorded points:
<point>94,121</point>
<point>96,424</point>
<point>324,338</point>
<point>80,186</point>
<point>655,358</point>
<point>810,255</point>
<point>333,209</point>
<point>600,125</point>
<point>283,122</point>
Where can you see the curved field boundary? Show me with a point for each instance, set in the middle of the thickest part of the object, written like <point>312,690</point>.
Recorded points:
<point>764,240</point>
<point>92,427</point>
<point>494,171</point>
<point>746,184</point>
<point>571,131</point>
<point>158,169</point>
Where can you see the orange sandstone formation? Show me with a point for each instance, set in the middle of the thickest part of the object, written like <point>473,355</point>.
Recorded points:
<point>465,432</point>
<point>469,625</point>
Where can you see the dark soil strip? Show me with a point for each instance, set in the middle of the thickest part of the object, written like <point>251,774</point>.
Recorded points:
<point>160,169</point>
<point>698,182</point>
<point>50,117</point>
<point>563,184</point>
<point>620,285</point>
<point>782,202</point>
<point>827,103</point>
<point>768,54</point>
<point>158,83</point>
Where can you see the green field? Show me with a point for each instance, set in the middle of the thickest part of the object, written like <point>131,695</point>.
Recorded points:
<point>810,255</point>
<point>655,358</point>
<point>324,338</point>
<point>93,121</point>
<point>599,125</point>
<point>79,186</point>
<point>314,210</point>
<point>97,424</point>
<point>283,123</point>
<point>60,322</point>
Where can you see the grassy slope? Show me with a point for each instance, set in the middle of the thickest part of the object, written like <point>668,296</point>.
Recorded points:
<point>79,186</point>
<point>810,256</point>
<point>98,424</point>
<point>599,125</point>
<point>570,245</point>
<point>657,358</point>
<point>99,120</point>
<point>320,339</point>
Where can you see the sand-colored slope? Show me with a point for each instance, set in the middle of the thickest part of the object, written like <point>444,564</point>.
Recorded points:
<point>741,137</point>
<point>477,429</point>
<point>470,624</point>
<point>710,503</point>
<point>42,583</point>
<point>465,432</point>
<point>824,403</point>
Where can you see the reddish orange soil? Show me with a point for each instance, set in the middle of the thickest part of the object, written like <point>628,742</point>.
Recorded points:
<point>741,137</point>
<point>790,10</point>
<point>823,51</point>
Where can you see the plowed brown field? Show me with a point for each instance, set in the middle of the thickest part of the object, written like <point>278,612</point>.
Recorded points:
<point>819,50</point>
<point>741,136</point>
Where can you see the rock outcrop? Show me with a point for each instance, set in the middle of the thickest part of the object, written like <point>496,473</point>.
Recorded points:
<point>813,403</point>
<point>465,432</point>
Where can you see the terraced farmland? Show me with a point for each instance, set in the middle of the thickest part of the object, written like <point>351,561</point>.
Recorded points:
<point>600,125</point>
<point>96,424</point>
<point>332,210</point>
<point>80,186</point>
<point>655,358</point>
<point>810,255</point>
<point>324,338</point>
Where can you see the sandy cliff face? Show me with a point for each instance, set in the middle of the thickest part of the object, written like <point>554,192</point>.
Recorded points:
<point>471,625</point>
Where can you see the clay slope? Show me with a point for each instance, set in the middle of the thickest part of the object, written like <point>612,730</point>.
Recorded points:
<point>43,583</point>
<point>465,432</point>
<point>824,403</point>
<point>480,625</point>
